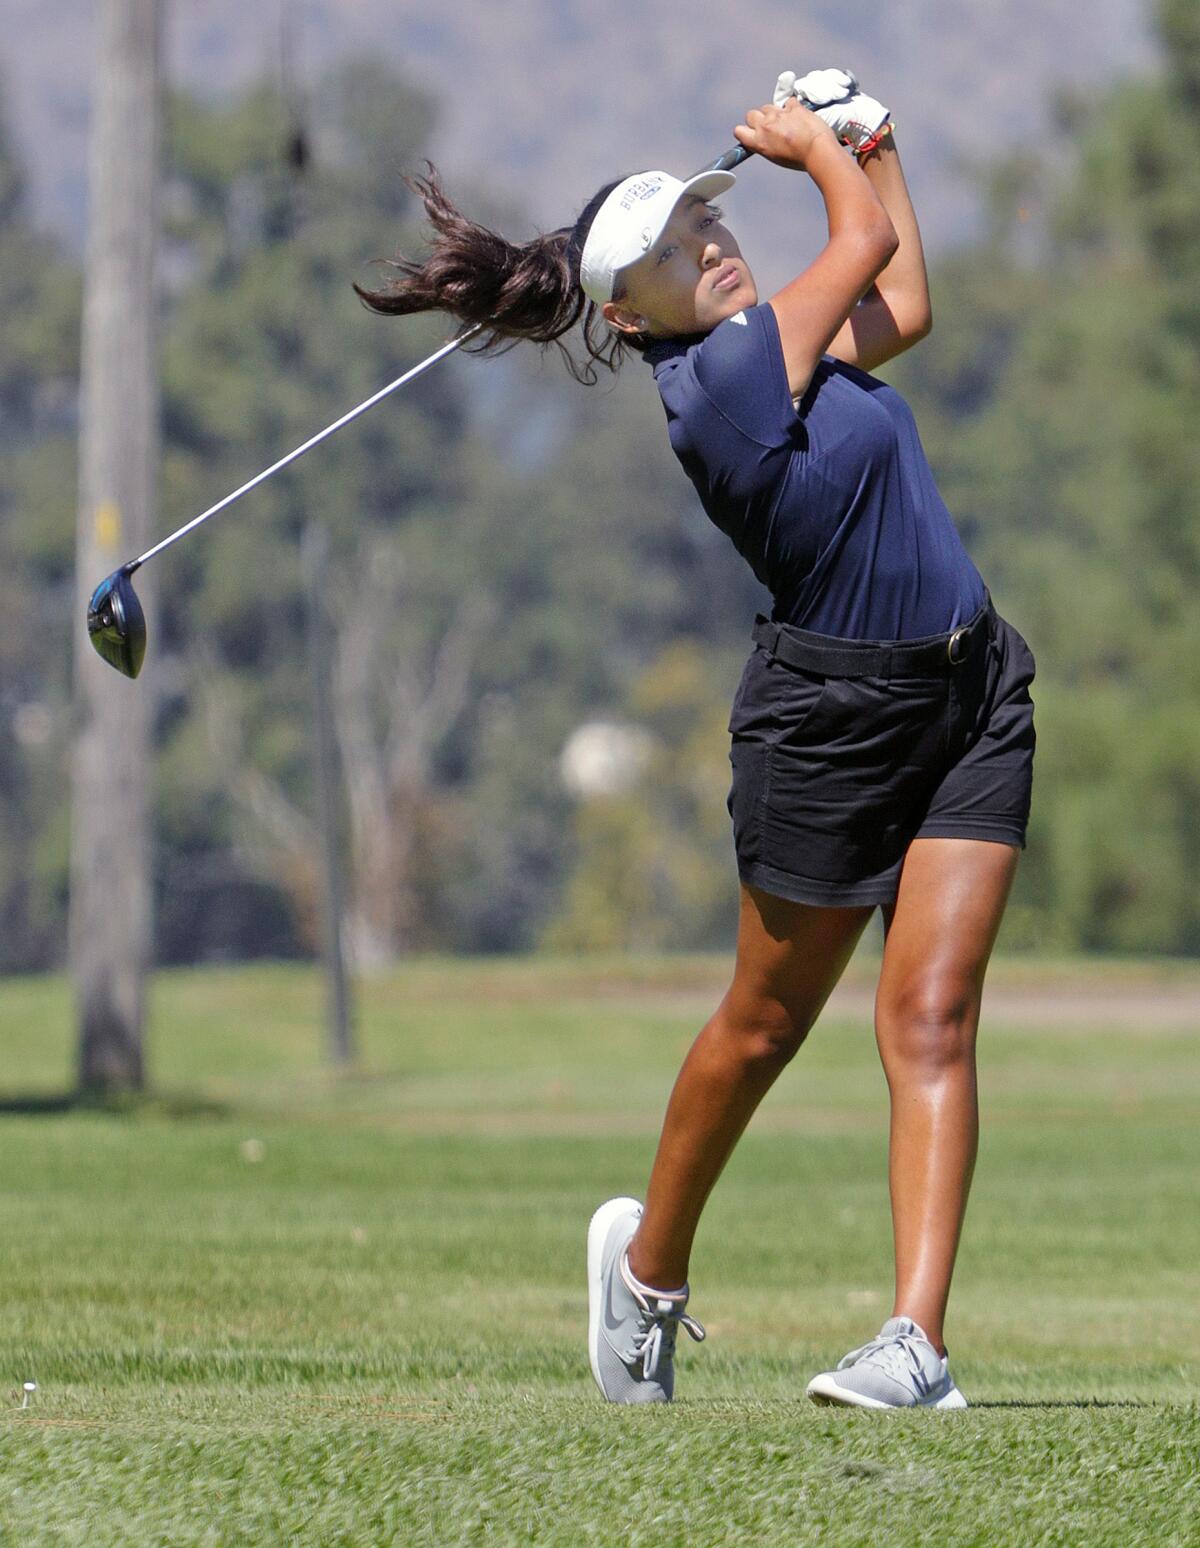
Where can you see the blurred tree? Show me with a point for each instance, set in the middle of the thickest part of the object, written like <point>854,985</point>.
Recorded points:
<point>39,362</point>
<point>1058,399</point>
<point>257,360</point>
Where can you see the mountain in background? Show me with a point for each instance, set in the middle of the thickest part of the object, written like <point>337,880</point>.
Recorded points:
<point>552,97</point>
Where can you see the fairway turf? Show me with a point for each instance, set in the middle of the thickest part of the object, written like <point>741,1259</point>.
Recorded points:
<point>270,1305</point>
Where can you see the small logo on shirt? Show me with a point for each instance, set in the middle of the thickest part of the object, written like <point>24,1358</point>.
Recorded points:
<point>740,317</point>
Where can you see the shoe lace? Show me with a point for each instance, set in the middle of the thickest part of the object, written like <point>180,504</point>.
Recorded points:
<point>657,1330</point>
<point>897,1356</point>
<point>659,1322</point>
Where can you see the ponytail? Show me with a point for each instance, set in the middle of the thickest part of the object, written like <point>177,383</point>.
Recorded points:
<point>527,290</point>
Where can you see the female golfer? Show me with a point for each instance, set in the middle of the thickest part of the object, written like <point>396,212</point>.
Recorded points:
<point>882,732</point>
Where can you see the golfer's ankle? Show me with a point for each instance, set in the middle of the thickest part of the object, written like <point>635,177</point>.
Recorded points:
<point>649,1275</point>
<point>931,1329</point>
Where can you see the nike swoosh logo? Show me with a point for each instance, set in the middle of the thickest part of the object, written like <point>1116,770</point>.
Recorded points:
<point>612,1324</point>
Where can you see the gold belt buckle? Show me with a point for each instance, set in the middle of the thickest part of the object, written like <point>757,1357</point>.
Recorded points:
<point>952,647</point>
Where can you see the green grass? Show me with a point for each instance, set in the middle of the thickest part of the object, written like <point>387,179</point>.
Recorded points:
<point>269,1305</point>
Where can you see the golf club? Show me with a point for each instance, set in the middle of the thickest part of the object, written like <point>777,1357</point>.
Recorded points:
<point>115,620</point>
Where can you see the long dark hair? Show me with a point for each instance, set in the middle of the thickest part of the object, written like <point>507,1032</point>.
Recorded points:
<point>519,290</point>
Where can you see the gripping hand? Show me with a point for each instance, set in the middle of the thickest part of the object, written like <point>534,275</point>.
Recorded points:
<point>833,95</point>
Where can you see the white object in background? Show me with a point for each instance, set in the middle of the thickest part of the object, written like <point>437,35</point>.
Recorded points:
<point>603,758</point>
<point>30,1389</point>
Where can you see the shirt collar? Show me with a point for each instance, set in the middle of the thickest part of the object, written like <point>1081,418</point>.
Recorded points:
<point>659,351</point>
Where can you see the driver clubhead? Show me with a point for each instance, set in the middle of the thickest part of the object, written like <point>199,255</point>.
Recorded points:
<point>116,623</point>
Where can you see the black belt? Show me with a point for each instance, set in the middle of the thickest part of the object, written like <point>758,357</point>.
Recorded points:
<point>829,657</point>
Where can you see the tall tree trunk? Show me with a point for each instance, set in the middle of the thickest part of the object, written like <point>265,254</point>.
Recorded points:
<point>318,628</point>
<point>118,459</point>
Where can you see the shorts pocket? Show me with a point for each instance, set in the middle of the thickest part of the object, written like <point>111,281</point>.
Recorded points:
<point>800,699</point>
<point>748,792</point>
<point>772,698</point>
<point>849,785</point>
<point>778,705</point>
<point>835,823</point>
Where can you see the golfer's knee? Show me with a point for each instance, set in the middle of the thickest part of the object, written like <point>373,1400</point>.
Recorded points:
<point>763,1031</point>
<point>928,1024</point>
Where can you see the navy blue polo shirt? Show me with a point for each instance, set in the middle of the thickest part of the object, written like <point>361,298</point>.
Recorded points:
<point>833,504</point>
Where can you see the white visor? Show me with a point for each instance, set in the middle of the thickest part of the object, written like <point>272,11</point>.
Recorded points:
<point>632,219</point>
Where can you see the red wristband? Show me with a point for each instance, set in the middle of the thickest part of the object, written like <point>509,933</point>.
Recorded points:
<point>876,139</point>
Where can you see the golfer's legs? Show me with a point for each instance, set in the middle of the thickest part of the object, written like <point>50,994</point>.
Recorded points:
<point>940,933</point>
<point>789,957</point>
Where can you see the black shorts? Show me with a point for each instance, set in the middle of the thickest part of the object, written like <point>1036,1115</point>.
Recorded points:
<point>834,775</point>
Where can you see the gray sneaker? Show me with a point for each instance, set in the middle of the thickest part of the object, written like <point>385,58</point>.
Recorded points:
<point>631,1328</point>
<point>899,1369</point>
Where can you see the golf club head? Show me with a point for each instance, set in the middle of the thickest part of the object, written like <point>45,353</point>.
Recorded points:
<point>116,623</point>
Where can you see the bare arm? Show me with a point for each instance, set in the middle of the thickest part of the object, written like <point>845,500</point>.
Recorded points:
<point>812,309</point>
<point>895,311</point>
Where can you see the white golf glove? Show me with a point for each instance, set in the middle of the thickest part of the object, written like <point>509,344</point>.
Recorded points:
<point>833,95</point>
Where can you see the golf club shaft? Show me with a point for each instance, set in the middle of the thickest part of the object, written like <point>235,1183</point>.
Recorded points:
<point>308,445</point>
<point>732,158</point>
